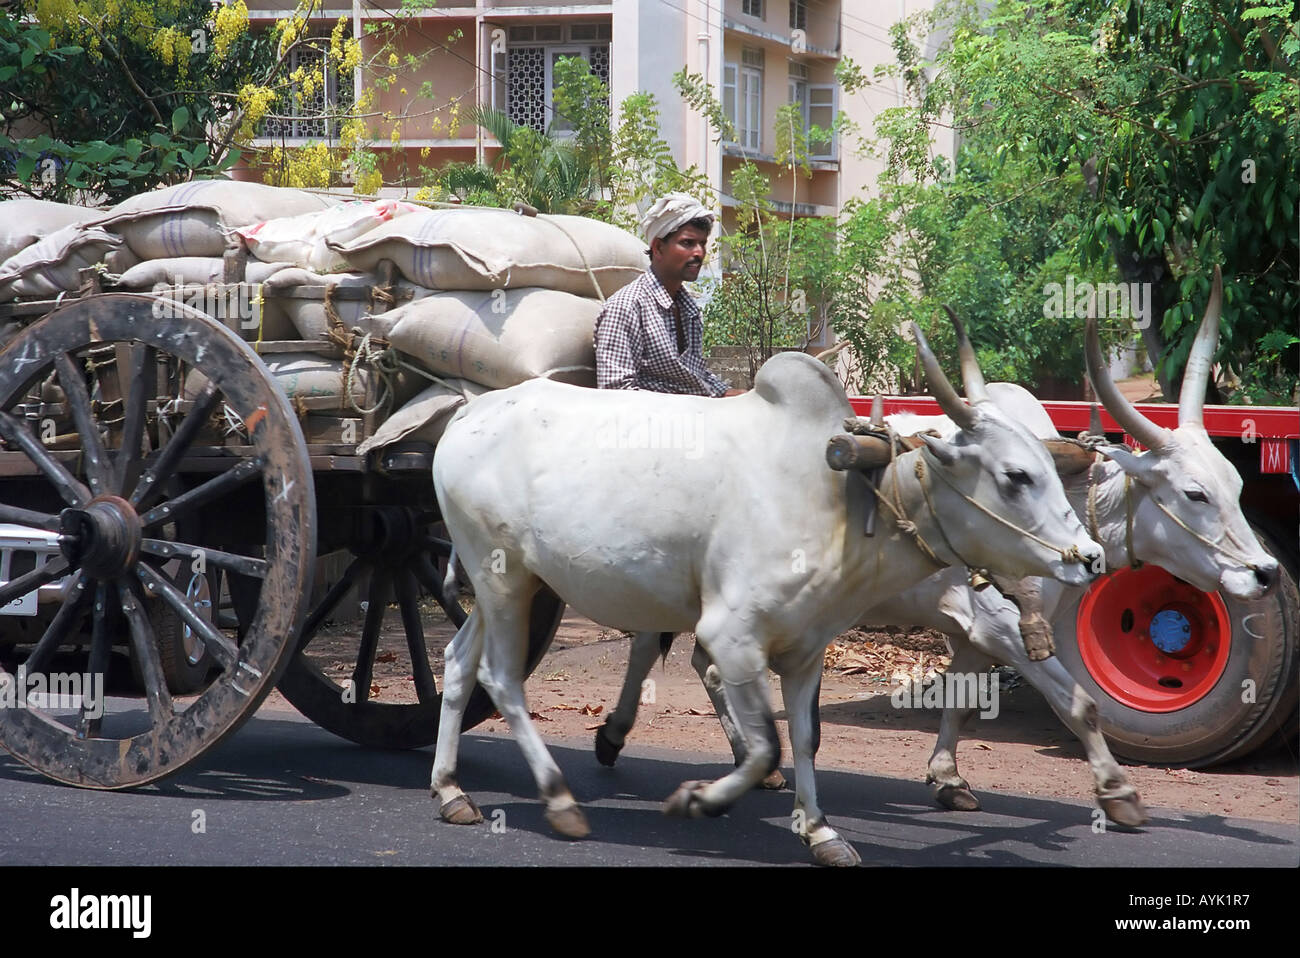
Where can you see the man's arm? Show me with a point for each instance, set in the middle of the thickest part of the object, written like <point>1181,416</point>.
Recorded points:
<point>620,342</point>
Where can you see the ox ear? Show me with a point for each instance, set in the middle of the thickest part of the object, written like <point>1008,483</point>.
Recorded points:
<point>1139,467</point>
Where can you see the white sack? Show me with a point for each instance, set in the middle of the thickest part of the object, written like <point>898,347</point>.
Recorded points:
<point>500,338</point>
<point>300,240</point>
<point>499,249</point>
<point>192,219</point>
<point>308,316</point>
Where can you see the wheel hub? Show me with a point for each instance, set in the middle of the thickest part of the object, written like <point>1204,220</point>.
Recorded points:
<point>103,538</point>
<point>1151,641</point>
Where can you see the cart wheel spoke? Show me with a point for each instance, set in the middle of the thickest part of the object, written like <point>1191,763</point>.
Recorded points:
<point>26,517</point>
<point>203,494</point>
<point>377,599</point>
<point>243,565</point>
<point>146,650</point>
<point>73,380</point>
<point>33,580</point>
<point>142,387</point>
<point>88,725</point>
<point>222,649</point>
<point>332,598</point>
<point>69,614</point>
<point>15,433</point>
<point>432,581</point>
<point>439,547</point>
<point>408,600</point>
<point>162,467</point>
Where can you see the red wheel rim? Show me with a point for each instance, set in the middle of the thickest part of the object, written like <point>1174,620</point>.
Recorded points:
<point>1151,641</point>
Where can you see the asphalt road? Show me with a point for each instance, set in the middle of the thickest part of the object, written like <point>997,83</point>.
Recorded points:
<point>282,791</point>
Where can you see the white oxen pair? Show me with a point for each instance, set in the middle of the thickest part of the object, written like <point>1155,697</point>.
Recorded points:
<point>744,535</point>
<point>1175,506</point>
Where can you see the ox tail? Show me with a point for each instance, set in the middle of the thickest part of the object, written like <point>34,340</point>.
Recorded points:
<point>665,645</point>
<point>450,584</point>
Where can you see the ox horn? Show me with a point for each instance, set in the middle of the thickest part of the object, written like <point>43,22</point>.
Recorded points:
<point>1129,419</point>
<point>971,377</point>
<point>952,405</point>
<point>1191,399</point>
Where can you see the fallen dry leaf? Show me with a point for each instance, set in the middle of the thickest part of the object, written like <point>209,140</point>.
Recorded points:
<point>539,717</point>
<point>592,728</point>
<point>386,657</point>
<point>696,711</point>
<point>592,709</point>
<point>564,707</point>
<point>987,748</point>
<point>376,689</point>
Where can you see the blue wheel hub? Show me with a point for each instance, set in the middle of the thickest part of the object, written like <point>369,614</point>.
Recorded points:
<point>1170,631</point>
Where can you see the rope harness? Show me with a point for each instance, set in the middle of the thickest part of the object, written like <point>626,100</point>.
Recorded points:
<point>1133,561</point>
<point>979,576</point>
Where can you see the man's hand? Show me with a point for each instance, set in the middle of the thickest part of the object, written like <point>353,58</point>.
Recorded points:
<point>734,392</point>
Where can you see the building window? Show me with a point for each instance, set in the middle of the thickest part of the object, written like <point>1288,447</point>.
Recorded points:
<point>798,14</point>
<point>752,8</point>
<point>525,81</point>
<point>313,117</point>
<point>817,104</point>
<point>749,122</point>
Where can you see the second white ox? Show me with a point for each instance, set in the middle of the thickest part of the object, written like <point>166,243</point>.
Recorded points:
<point>746,537</point>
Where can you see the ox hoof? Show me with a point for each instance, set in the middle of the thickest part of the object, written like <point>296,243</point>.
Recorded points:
<point>686,802</point>
<point>606,750</point>
<point>774,782</point>
<point>1124,810</point>
<point>569,822</point>
<point>836,853</point>
<point>957,798</point>
<point>461,810</point>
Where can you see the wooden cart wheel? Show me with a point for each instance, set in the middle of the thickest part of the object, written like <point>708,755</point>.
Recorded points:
<point>402,557</point>
<point>239,456</point>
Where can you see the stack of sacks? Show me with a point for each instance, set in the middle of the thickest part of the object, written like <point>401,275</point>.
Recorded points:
<point>489,298</point>
<point>499,299</point>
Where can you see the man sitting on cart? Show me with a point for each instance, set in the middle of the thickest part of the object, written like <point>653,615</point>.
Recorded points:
<point>649,335</point>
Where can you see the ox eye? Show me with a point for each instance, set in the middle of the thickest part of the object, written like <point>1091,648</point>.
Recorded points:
<point>1018,477</point>
<point>1196,495</point>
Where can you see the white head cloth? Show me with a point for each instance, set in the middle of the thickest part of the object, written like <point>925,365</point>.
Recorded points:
<point>671,212</point>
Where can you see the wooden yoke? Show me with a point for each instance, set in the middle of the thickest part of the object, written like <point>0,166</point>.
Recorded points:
<point>864,453</point>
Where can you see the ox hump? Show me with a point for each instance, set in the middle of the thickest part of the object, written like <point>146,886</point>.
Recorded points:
<point>802,385</point>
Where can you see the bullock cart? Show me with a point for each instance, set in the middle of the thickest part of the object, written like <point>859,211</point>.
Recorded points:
<point>164,503</point>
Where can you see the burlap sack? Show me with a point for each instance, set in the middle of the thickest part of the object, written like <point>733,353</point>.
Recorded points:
<point>310,316</point>
<point>26,222</point>
<point>425,417</point>
<point>498,249</point>
<point>193,219</point>
<point>52,265</point>
<point>500,337</point>
<point>180,270</point>
<point>310,381</point>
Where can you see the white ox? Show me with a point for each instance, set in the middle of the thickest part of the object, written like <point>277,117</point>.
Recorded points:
<point>1184,516</point>
<point>743,535</point>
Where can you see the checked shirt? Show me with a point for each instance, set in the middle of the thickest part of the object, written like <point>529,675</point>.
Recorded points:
<point>637,342</point>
